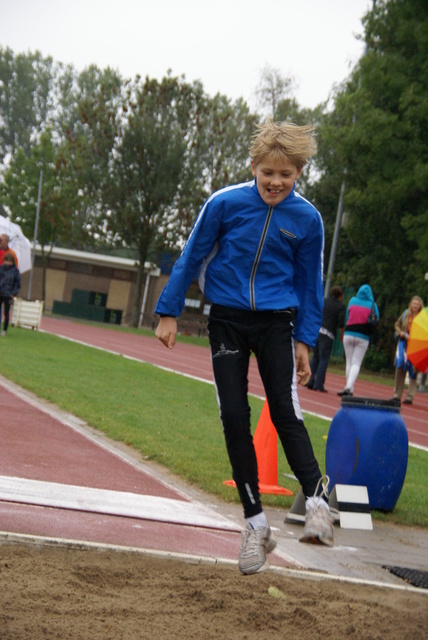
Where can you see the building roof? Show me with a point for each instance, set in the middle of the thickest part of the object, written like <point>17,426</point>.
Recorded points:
<point>99,259</point>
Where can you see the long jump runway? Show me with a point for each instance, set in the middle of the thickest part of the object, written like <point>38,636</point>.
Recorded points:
<point>61,480</point>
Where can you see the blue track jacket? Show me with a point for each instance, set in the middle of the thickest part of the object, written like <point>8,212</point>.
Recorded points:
<point>253,256</point>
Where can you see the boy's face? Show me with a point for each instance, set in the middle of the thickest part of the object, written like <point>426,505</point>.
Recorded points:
<point>275,178</point>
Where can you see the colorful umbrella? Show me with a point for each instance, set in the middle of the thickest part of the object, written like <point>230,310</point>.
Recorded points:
<point>18,242</point>
<point>417,345</point>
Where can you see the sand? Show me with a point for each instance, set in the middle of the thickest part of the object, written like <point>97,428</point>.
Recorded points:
<point>67,593</point>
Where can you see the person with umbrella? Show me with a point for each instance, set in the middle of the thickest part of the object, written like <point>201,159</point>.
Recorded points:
<point>12,238</point>
<point>402,363</point>
<point>4,248</point>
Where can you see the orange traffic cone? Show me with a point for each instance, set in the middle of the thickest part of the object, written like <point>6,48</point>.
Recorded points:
<point>266,445</point>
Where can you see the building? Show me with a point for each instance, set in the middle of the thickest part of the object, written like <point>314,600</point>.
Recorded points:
<point>102,288</point>
<point>76,280</point>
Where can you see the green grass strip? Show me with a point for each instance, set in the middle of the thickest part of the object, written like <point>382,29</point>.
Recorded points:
<point>168,418</point>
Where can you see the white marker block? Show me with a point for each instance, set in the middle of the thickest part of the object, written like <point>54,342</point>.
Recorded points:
<point>297,511</point>
<point>352,502</point>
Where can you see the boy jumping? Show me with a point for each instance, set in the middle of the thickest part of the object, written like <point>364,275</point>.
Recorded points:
<point>258,249</point>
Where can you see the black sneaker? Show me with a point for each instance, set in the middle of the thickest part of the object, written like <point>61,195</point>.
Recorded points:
<point>345,392</point>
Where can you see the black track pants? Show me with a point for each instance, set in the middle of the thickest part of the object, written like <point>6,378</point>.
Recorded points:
<point>5,303</point>
<point>234,334</point>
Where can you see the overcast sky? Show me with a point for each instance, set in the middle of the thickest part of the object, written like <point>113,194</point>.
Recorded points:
<point>223,43</point>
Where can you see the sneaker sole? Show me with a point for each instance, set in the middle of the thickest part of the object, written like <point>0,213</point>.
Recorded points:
<point>250,571</point>
<point>317,540</point>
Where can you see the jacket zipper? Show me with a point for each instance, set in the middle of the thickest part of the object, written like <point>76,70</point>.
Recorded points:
<point>257,259</point>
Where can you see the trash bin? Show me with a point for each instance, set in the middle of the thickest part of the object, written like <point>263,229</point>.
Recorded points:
<point>368,445</point>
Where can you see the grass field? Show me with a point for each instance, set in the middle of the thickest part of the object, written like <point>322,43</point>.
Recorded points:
<point>168,418</point>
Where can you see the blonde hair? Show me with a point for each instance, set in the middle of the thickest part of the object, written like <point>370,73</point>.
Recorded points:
<point>419,299</point>
<point>283,141</point>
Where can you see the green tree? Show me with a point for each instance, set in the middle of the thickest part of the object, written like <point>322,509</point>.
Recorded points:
<point>289,110</point>
<point>29,99</point>
<point>90,125</point>
<point>275,97</point>
<point>146,167</point>
<point>227,132</point>
<point>221,156</point>
<point>376,139</point>
<point>273,89</point>
<point>82,113</point>
<point>19,193</point>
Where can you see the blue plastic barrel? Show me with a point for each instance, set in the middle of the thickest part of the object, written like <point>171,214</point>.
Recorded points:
<point>368,445</point>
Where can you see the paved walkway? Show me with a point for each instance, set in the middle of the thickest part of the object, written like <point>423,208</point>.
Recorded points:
<point>61,480</point>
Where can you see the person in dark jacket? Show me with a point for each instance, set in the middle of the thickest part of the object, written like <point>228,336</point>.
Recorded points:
<point>257,247</point>
<point>10,284</point>
<point>333,318</point>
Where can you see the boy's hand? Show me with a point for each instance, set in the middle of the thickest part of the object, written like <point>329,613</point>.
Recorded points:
<point>302,362</point>
<point>166,331</point>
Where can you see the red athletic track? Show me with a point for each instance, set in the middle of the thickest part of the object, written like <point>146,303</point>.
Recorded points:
<point>195,361</point>
<point>36,445</point>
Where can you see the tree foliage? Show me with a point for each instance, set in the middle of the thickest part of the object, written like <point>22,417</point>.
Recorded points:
<point>375,139</point>
<point>146,165</point>
<point>273,89</point>
<point>90,129</point>
<point>20,190</point>
<point>31,96</point>
<point>128,163</point>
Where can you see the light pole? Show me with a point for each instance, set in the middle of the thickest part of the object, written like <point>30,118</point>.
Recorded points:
<point>36,226</point>
<point>334,244</point>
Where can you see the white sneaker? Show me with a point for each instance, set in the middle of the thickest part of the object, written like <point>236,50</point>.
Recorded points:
<point>319,527</point>
<point>3,333</point>
<point>255,544</point>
